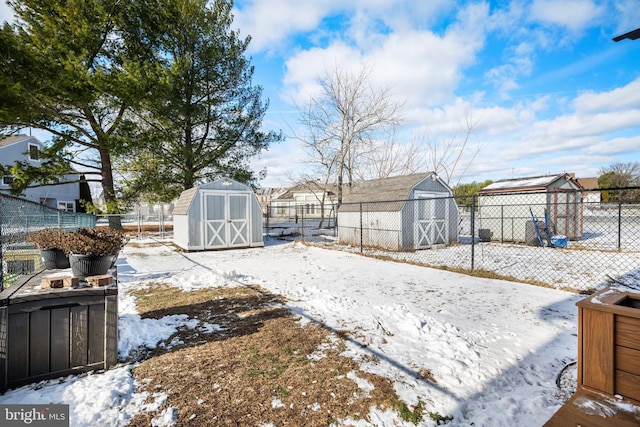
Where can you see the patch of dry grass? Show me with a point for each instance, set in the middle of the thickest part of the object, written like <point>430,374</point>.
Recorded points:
<point>263,367</point>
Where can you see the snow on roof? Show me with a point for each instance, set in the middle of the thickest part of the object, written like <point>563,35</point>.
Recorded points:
<point>528,183</point>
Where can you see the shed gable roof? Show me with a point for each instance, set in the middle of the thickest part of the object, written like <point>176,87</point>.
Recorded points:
<point>393,191</point>
<point>184,201</point>
<point>533,183</point>
<point>186,198</point>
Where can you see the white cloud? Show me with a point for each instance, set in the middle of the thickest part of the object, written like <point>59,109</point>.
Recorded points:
<point>269,22</point>
<point>424,68</point>
<point>572,14</point>
<point>628,15</point>
<point>619,99</point>
<point>305,68</point>
<point>615,146</point>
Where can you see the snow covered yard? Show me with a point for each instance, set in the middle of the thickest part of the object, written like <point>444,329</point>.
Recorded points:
<point>494,348</point>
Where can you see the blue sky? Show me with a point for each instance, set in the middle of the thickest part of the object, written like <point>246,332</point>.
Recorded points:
<point>551,91</point>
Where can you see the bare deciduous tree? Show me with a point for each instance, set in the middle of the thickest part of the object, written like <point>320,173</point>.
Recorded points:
<point>445,156</point>
<point>343,120</point>
<point>387,157</point>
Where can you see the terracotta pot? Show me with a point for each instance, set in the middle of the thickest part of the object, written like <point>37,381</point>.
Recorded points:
<point>89,265</point>
<point>54,259</point>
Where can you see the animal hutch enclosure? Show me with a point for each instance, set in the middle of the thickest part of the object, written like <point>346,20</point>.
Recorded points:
<point>219,215</point>
<point>400,213</point>
<point>505,208</point>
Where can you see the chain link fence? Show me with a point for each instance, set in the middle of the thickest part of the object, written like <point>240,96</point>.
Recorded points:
<point>20,217</point>
<point>552,239</point>
<point>303,221</point>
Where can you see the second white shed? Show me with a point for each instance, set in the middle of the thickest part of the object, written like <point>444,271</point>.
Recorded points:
<point>219,215</point>
<point>400,213</point>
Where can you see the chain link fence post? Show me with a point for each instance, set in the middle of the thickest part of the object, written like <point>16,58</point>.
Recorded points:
<point>473,231</point>
<point>361,230</point>
<point>619,227</point>
<point>302,222</point>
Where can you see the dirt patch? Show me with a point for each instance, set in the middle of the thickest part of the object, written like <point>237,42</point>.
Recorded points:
<point>257,366</point>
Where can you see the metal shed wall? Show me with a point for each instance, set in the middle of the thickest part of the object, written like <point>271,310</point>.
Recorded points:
<point>392,224</point>
<point>189,222</point>
<point>504,215</point>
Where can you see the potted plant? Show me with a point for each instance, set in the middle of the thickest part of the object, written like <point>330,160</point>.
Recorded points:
<point>93,251</point>
<point>50,241</point>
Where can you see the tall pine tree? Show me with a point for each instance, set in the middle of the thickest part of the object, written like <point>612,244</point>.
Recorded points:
<point>70,68</point>
<point>203,115</point>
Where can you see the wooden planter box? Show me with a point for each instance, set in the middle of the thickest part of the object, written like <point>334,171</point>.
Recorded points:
<point>609,344</point>
<point>52,332</point>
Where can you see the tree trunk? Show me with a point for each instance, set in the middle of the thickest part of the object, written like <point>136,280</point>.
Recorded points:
<point>108,190</point>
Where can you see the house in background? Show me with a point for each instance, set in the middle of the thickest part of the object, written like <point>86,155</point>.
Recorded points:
<point>305,200</point>
<point>591,193</point>
<point>266,195</point>
<point>63,196</point>
<point>506,206</point>
<point>401,213</point>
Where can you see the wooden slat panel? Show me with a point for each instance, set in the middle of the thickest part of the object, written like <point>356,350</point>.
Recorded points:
<point>111,336</point>
<point>18,348</point>
<point>628,360</point>
<point>96,333</point>
<point>597,350</point>
<point>79,318</point>
<point>628,385</point>
<point>60,339</point>
<point>628,332</point>
<point>39,330</point>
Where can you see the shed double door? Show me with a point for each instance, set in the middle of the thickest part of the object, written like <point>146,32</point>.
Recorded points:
<point>225,219</point>
<point>432,224</point>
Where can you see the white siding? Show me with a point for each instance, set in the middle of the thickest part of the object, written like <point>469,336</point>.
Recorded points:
<point>379,229</point>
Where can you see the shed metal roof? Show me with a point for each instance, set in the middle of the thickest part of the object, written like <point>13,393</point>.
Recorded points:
<point>534,183</point>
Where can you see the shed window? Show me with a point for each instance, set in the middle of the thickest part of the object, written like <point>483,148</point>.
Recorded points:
<point>7,180</point>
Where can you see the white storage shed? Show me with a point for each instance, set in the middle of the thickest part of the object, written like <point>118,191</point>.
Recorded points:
<point>401,213</point>
<point>219,215</point>
<point>505,208</point>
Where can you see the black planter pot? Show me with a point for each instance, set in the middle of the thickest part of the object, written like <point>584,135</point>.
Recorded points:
<point>83,266</point>
<point>54,259</point>
<point>114,259</point>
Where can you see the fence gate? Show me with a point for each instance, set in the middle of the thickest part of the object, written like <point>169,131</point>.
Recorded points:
<point>226,219</point>
<point>432,225</point>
